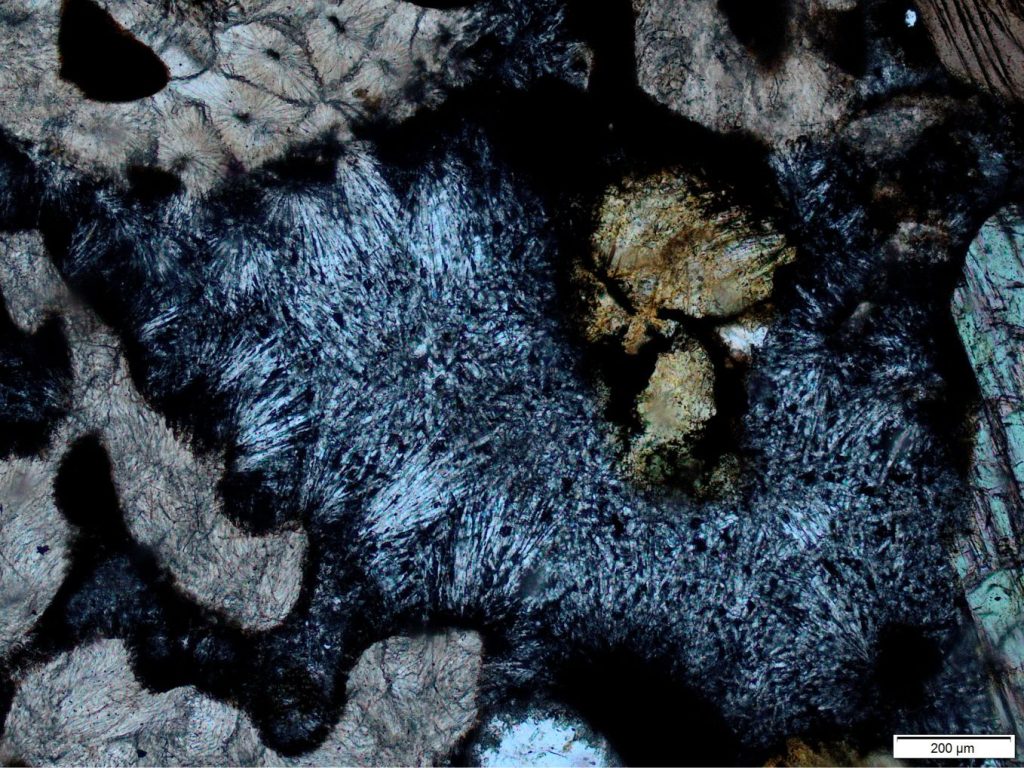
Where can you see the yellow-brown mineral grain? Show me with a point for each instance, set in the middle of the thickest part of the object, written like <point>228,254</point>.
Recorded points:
<point>799,754</point>
<point>603,317</point>
<point>673,410</point>
<point>665,243</point>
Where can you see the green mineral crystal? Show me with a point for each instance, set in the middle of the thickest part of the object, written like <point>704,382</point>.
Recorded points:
<point>988,308</point>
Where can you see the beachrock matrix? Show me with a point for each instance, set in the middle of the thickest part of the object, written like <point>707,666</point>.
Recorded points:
<point>308,455</point>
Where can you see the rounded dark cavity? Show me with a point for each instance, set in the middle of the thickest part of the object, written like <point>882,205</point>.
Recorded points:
<point>103,59</point>
<point>760,25</point>
<point>84,491</point>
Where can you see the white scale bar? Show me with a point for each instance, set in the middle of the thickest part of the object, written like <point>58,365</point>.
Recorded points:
<point>953,747</point>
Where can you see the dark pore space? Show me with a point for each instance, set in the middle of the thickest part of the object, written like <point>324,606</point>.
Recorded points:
<point>79,612</point>
<point>104,60</point>
<point>102,552</point>
<point>761,25</point>
<point>910,42</point>
<point>645,713</point>
<point>84,491</point>
<point>844,35</point>
<point>907,660</point>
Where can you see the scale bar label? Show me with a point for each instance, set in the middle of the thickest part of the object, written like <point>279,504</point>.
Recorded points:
<point>953,747</point>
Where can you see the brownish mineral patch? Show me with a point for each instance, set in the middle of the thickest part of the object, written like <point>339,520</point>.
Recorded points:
<point>981,41</point>
<point>674,410</point>
<point>666,244</point>
<point>800,753</point>
<point>666,252</point>
<point>734,68</point>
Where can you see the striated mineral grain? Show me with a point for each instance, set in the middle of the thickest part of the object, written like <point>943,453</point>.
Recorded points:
<point>988,307</point>
<point>981,41</point>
